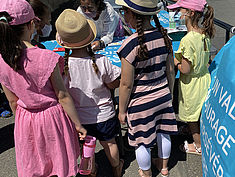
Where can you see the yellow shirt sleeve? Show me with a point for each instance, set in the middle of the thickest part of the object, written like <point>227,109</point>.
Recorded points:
<point>186,50</point>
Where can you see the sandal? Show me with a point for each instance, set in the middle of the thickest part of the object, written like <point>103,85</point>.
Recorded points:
<point>164,174</point>
<point>141,173</point>
<point>117,171</point>
<point>185,148</point>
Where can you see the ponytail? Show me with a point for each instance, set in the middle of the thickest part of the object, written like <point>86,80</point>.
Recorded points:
<point>208,21</point>
<point>66,61</point>
<point>142,50</point>
<point>92,55</point>
<point>11,46</point>
<point>164,33</point>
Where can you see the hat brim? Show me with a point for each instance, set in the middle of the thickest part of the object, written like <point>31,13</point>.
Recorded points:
<point>123,3</point>
<point>173,6</point>
<point>93,29</point>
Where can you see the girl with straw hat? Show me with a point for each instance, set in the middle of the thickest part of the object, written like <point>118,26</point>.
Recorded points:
<point>90,79</point>
<point>146,85</point>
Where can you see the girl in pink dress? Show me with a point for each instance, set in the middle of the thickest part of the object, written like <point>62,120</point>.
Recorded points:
<point>46,141</point>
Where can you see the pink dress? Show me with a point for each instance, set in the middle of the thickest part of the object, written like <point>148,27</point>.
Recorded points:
<point>46,141</point>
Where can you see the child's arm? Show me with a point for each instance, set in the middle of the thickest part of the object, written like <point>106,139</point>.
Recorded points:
<point>12,98</point>
<point>114,84</point>
<point>170,73</point>
<point>126,85</point>
<point>184,66</point>
<point>66,100</point>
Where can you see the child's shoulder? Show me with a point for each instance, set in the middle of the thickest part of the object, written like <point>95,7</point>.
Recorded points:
<point>131,39</point>
<point>188,39</point>
<point>39,51</point>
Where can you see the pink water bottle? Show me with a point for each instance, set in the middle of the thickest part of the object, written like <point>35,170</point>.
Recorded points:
<point>87,154</point>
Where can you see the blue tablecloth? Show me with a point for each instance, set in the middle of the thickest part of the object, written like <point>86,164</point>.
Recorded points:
<point>110,50</point>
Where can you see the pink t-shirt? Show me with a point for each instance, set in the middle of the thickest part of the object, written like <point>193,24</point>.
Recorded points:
<point>92,98</point>
<point>31,84</point>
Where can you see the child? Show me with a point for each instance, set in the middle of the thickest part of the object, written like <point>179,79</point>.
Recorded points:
<point>90,78</point>
<point>46,141</point>
<point>144,95</point>
<point>192,60</point>
<point>106,19</point>
<point>43,27</point>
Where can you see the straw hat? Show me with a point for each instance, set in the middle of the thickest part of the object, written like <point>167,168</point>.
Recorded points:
<point>143,7</point>
<point>74,30</point>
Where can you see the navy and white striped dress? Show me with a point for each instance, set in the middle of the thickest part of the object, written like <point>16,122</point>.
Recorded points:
<point>150,108</point>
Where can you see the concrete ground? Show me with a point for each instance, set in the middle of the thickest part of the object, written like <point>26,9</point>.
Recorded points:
<point>180,164</point>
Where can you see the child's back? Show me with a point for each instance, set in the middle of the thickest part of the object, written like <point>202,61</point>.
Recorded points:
<point>193,85</point>
<point>90,77</point>
<point>91,95</point>
<point>33,85</point>
<point>192,59</point>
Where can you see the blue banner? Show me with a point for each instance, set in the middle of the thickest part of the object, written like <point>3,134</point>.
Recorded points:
<point>217,121</point>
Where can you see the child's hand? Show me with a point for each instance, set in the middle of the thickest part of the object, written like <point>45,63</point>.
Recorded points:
<point>81,132</point>
<point>176,61</point>
<point>122,118</point>
<point>95,45</point>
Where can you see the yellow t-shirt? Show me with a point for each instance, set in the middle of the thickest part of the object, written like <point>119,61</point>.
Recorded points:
<point>193,86</point>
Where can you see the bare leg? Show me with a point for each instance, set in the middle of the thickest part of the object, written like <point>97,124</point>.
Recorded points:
<point>161,165</point>
<point>111,151</point>
<point>195,130</point>
<point>145,173</point>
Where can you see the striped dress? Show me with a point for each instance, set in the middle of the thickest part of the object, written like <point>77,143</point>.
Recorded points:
<point>150,108</point>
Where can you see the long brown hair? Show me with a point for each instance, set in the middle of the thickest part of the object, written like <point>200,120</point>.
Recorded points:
<point>208,20</point>
<point>142,50</point>
<point>11,46</point>
<point>66,61</point>
<point>92,55</point>
<point>164,34</point>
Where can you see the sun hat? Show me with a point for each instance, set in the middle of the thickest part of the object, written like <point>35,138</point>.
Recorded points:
<point>19,10</point>
<point>197,5</point>
<point>74,30</point>
<point>143,7</point>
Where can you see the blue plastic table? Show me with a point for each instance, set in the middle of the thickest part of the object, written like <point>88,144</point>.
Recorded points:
<point>110,50</point>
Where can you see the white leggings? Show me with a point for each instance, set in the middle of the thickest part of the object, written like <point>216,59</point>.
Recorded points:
<point>143,154</point>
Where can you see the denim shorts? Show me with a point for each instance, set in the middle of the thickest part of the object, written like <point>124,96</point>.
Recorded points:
<point>103,131</point>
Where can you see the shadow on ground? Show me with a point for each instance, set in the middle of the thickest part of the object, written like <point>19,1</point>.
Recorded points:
<point>128,154</point>
<point>6,138</point>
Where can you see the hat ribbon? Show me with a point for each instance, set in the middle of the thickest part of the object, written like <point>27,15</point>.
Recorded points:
<point>140,8</point>
<point>81,43</point>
